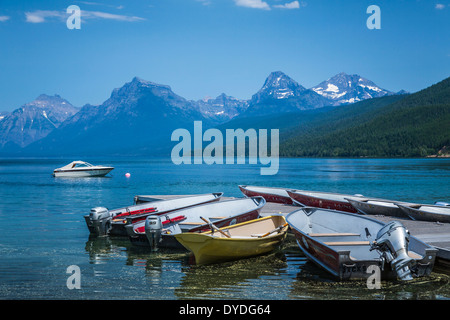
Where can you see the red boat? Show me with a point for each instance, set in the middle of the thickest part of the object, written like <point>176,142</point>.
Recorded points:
<point>277,195</point>
<point>324,200</point>
<point>102,221</point>
<point>159,208</point>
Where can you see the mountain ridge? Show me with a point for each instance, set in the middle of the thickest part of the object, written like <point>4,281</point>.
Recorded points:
<point>124,120</point>
<point>34,120</point>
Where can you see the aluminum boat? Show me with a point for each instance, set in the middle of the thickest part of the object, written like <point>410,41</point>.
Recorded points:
<point>352,246</point>
<point>158,231</point>
<point>427,212</point>
<point>379,207</point>
<point>102,221</point>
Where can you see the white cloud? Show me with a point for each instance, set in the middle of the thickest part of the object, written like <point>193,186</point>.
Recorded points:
<point>41,16</point>
<point>90,3</point>
<point>4,18</point>
<point>260,4</point>
<point>109,16</point>
<point>439,6</point>
<point>204,2</point>
<point>290,5</point>
<point>256,4</point>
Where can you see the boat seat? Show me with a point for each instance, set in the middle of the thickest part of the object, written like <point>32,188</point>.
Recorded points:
<point>332,234</point>
<point>348,243</point>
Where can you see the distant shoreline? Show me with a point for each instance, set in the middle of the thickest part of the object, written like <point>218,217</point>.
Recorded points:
<point>439,156</point>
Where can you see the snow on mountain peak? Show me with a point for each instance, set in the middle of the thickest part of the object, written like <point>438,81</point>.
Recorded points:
<point>344,88</point>
<point>279,86</point>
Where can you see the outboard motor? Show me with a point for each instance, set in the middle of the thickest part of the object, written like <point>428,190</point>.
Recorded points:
<point>153,228</point>
<point>100,221</point>
<point>392,242</point>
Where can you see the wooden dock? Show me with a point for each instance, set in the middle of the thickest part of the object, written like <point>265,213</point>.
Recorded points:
<point>435,234</point>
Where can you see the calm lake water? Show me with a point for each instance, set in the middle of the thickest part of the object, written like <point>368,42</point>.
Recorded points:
<point>43,231</point>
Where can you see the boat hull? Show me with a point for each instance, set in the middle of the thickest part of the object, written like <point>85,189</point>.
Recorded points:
<point>169,241</point>
<point>83,173</point>
<point>118,219</point>
<point>377,207</point>
<point>277,195</point>
<point>119,222</point>
<point>208,249</point>
<point>340,244</point>
<point>222,214</point>
<point>427,212</point>
<point>338,264</point>
<point>322,202</point>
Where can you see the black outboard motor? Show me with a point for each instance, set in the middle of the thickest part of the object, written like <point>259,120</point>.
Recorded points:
<point>392,243</point>
<point>153,228</point>
<point>99,221</point>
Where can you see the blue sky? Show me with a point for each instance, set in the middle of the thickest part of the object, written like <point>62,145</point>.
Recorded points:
<point>206,47</point>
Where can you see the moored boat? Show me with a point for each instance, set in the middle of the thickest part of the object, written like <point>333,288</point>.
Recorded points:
<point>158,231</point>
<point>277,195</point>
<point>351,246</point>
<point>378,207</point>
<point>326,200</point>
<point>81,169</point>
<point>427,212</point>
<point>102,221</point>
<point>242,240</point>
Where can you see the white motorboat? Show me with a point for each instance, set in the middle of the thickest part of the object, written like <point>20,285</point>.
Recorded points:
<point>78,169</point>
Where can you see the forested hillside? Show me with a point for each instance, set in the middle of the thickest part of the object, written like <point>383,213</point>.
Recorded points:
<point>417,125</point>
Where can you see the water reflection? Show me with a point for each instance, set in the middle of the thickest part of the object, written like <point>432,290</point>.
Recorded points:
<point>101,249</point>
<point>231,279</point>
<point>433,287</point>
<point>282,275</point>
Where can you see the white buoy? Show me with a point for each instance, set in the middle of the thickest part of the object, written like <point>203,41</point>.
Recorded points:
<point>127,174</point>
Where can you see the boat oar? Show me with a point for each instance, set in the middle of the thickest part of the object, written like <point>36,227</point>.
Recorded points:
<point>213,227</point>
<point>274,230</point>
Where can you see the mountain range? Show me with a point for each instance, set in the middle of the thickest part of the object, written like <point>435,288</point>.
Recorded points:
<point>139,117</point>
<point>33,121</point>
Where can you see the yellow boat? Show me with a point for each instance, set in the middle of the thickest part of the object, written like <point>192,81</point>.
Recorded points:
<point>242,240</point>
